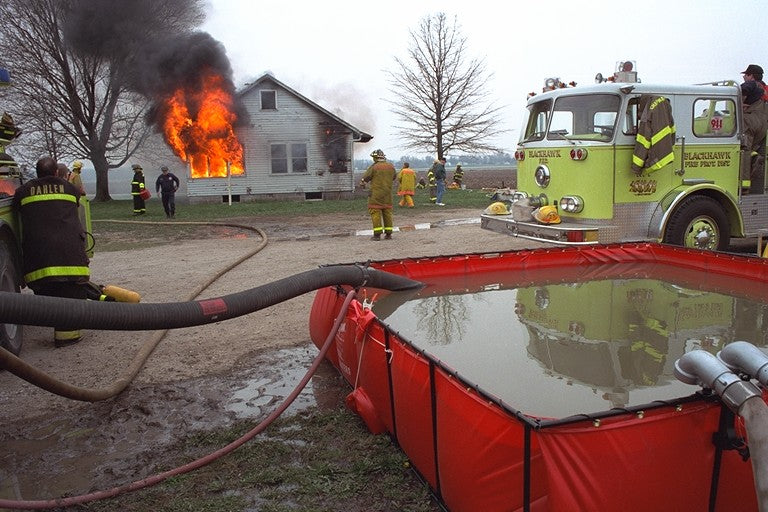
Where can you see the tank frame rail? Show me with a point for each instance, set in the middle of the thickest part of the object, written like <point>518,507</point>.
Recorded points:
<point>673,454</point>
<point>444,383</point>
<point>556,234</point>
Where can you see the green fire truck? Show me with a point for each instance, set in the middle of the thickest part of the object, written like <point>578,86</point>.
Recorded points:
<point>11,279</point>
<point>576,152</point>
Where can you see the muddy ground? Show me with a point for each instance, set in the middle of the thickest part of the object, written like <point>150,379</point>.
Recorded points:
<point>198,377</point>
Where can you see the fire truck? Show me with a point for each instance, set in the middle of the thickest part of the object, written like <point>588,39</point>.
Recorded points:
<point>11,177</point>
<point>11,279</point>
<point>575,154</point>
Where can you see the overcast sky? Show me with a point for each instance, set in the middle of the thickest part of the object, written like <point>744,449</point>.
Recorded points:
<point>335,52</point>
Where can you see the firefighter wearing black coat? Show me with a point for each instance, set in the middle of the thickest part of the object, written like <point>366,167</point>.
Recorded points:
<point>137,187</point>
<point>167,184</point>
<point>53,240</point>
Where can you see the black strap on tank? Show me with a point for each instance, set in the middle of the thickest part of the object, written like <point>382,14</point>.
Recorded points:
<point>725,438</point>
<point>387,362</point>
<point>527,468</point>
<point>433,400</point>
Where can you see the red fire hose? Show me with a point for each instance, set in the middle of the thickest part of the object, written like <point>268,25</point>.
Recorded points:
<point>196,464</point>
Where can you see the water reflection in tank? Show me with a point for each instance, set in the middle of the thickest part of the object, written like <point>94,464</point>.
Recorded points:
<point>574,347</point>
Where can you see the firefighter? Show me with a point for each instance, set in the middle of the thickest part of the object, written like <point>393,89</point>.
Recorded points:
<point>167,184</point>
<point>432,182</point>
<point>53,253</point>
<point>458,175</point>
<point>755,126</point>
<point>137,187</point>
<point>407,179</point>
<point>74,176</point>
<point>380,174</point>
<point>655,135</point>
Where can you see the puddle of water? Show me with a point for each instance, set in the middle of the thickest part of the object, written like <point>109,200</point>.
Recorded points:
<point>554,350</point>
<point>94,446</point>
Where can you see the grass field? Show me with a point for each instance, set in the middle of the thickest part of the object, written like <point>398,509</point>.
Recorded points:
<point>123,209</point>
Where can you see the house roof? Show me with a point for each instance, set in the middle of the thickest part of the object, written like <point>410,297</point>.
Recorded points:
<point>357,134</point>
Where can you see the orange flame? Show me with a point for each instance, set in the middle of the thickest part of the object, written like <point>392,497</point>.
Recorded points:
<point>205,139</point>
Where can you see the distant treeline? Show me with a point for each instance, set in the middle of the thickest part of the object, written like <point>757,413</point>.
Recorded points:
<point>419,162</point>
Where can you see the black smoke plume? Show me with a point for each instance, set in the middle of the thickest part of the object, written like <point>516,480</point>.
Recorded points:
<point>153,44</point>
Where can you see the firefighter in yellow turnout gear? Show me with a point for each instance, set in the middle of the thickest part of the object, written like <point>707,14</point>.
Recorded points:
<point>432,184</point>
<point>407,179</point>
<point>381,174</point>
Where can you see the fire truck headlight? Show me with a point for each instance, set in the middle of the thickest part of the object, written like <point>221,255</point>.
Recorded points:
<point>571,204</point>
<point>541,176</point>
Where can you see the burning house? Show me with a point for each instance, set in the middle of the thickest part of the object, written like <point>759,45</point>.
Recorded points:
<point>290,148</point>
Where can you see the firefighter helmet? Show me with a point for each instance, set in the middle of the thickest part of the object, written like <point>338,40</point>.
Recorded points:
<point>546,215</point>
<point>77,164</point>
<point>497,208</point>
<point>378,155</point>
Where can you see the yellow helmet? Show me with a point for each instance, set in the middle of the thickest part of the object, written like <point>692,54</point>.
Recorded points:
<point>77,164</point>
<point>547,215</point>
<point>497,208</point>
<point>378,155</point>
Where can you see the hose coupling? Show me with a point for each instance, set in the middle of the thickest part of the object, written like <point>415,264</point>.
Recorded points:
<point>744,357</point>
<point>699,367</point>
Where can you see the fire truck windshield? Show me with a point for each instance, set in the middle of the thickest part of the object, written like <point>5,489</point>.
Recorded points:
<point>574,117</point>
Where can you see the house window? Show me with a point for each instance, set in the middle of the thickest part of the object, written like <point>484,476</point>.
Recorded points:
<point>268,100</point>
<point>290,157</point>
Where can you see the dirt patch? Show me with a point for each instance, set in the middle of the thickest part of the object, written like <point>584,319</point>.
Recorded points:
<point>192,379</point>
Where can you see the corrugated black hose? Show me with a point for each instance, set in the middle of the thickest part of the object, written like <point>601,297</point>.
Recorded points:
<point>40,310</point>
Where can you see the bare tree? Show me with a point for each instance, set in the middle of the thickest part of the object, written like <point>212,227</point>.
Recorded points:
<point>74,83</point>
<point>442,97</point>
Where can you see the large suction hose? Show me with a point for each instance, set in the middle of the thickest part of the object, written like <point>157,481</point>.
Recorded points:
<point>202,461</point>
<point>41,310</point>
<point>52,311</point>
<point>742,397</point>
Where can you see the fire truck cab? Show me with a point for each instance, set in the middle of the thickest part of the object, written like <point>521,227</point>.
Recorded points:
<point>575,153</point>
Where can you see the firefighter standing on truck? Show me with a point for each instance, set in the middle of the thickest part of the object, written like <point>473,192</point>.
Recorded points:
<point>755,126</point>
<point>137,187</point>
<point>380,174</point>
<point>53,240</point>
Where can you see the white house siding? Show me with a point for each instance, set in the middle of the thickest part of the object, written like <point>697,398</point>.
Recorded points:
<point>294,120</point>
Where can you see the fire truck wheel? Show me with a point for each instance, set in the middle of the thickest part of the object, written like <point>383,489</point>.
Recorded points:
<point>11,335</point>
<point>698,222</point>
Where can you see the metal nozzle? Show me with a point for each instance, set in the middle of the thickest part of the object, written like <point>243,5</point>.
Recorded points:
<point>702,368</point>
<point>747,358</point>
